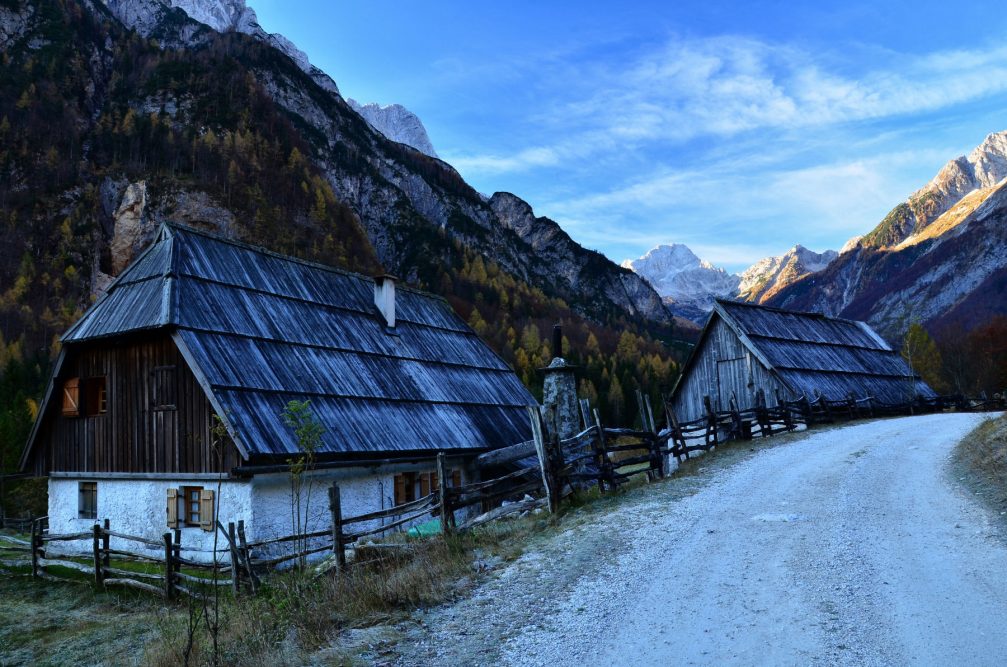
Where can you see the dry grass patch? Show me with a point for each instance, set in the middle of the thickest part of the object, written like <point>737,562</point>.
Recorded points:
<point>981,460</point>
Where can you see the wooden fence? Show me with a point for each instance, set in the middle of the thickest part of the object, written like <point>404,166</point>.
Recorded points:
<point>547,466</point>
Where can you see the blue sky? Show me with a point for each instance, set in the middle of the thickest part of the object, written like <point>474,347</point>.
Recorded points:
<point>739,129</point>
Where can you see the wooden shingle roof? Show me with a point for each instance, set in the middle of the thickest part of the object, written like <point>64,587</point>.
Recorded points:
<point>261,329</point>
<point>811,353</point>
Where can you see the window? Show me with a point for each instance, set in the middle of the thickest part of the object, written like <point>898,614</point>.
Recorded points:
<point>162,388</point>
<point>71,397</point>
<point>95,397</point>
<point>191,506</point>
<point>410,486</point>
<point>87,500</point>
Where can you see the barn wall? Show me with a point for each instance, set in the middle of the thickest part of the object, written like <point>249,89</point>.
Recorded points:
<point>133,435</point>
<point>723,365</point>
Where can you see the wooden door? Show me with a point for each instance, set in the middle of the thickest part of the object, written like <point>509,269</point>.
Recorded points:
<point>732,376</point>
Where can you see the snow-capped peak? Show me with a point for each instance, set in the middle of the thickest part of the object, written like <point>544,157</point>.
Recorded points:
<point>687,283</point>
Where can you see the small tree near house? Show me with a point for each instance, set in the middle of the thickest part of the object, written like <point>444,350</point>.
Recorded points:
<point>298,417</point>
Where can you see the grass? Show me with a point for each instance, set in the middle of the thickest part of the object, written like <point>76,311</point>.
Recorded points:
<point>981,462</point>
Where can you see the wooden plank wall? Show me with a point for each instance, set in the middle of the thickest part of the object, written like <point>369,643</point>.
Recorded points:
<point>133,435</point>
<point>737,371</point>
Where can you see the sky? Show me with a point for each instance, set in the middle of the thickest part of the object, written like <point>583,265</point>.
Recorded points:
<point>739,129</point>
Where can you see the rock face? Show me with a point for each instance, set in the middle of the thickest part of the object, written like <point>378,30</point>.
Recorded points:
<point>939,259</point>
<point>768,276</point>
<point>983,168</point>
<point>148,17</point>
<point>349,194</point>
<point>687,284</point>
<point>397,123</point>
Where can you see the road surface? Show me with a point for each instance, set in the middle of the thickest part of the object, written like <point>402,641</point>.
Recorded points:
<point>850,546</point>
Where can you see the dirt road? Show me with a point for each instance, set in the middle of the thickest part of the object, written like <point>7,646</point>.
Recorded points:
<point>851,546</point>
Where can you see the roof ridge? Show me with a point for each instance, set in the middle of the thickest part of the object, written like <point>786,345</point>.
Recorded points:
<point>262,250</point>
<point>784,311</point>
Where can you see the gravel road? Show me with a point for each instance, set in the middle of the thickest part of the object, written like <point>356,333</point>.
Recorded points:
<point>850,546</point>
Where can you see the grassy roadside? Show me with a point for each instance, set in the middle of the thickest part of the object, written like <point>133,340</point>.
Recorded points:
<point>980,462</point>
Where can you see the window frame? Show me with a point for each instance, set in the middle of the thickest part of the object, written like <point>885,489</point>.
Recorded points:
<point>87,500</point>
<point>184,517</point>
<point>96,396</point>
<point>164,385</point>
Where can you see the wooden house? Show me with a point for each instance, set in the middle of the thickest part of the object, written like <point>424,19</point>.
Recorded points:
<point>200,328</point>
<point>745,348</point>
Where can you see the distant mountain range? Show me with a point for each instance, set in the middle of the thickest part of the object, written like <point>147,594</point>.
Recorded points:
<point>689,285</point>
<point>938,259</point>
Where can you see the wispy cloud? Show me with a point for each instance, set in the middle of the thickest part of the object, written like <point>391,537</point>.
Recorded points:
<point>723,86</point>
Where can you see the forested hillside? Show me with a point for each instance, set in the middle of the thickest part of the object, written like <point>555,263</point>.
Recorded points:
<point>92,113</point>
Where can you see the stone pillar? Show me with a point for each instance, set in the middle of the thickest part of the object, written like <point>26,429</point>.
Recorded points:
<point>560,391</point>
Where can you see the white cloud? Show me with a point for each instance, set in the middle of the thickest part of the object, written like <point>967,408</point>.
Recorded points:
<point>722,86</point>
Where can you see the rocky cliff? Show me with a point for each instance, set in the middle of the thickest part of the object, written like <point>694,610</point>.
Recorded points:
<point>397,123</point>
<point>939,259</point>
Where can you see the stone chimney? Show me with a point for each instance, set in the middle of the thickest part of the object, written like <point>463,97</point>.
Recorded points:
<point>384,298</point>
<point>559,390</point>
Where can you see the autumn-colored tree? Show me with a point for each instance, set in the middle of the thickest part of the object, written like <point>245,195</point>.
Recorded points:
<point>921,352</point>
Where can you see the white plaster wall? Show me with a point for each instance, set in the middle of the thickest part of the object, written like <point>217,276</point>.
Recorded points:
<point>138,507</point>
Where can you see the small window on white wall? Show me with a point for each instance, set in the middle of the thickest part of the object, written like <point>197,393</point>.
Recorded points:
<point>191,506</point>
<point>87,500</point>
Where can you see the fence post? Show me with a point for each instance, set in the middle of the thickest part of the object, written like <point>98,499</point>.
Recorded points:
<point>809,417</point>
<point>600,454</point>
<point>169,568</point>
<point>735,415</point>
<point>827,411</point>
<point>676,432</point>
<point>235,572</point>
<point>96,550</point>
<point>711,423</point>
<point>336,510</point>
<point>246,560</point>
<point>106,560</point>
<point>788,420</point>
<point>34,548</point>
<point>447,511</point>
<point>762,414</point>
<point>543,458</point>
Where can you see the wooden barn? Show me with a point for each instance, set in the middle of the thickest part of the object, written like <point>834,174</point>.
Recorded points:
<point>745,347</point>
<point>200,327</point>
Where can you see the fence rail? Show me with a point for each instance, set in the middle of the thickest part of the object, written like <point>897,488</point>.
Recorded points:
<point>547,466</point>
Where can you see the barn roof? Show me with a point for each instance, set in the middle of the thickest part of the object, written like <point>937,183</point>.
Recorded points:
<point>809,353</point>
<point>261,329</point>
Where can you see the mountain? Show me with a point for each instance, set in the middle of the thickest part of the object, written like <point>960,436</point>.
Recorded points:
<point>156,18</point>
<point>939,259</point>
<point>116,116</point>
<point>982,169</point>
<point>397,123</point>
<point>770,275</point>
<point>688,284</point>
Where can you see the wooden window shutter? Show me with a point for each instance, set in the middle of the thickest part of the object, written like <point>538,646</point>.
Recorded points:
<point>456,478</point>
<point>424,484</point>
<point>206,510</point>
<point>172,508</point>
<point>71,398</point>
<point>400,489</point>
